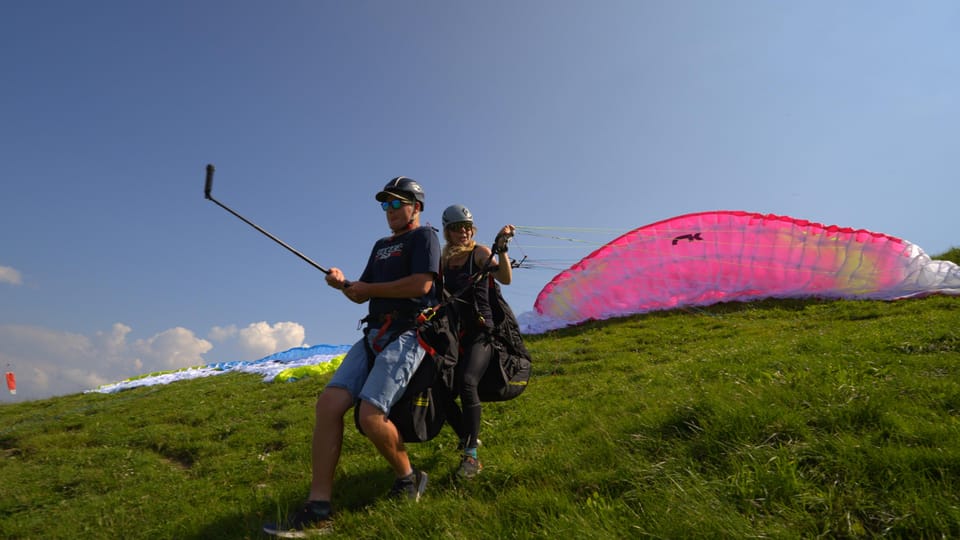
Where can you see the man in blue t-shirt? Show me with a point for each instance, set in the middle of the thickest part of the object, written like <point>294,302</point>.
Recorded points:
<point>398,283</point>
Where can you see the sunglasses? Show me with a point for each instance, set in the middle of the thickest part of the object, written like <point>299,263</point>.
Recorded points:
<point>462,226</point>
<point>396,204</point>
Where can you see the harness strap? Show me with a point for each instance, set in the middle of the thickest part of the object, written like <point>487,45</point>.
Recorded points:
<point>388,320</point>
<point>424,317</point>
<point>476,278</point>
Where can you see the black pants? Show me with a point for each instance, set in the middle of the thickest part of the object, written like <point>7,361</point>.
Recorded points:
<point>470,369</point>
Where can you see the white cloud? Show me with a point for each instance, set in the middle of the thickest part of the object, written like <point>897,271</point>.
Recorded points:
<point>260,339</point>
<point>172,349</point>
<point>222,333</point>
<point>40,379</point>
<point>48,362</point>
<point>114,343</point>
<point>52,363</point>
<point>10,275</point>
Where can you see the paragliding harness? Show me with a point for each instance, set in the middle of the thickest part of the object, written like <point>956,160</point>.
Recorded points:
<point>419,414</point>
<point>508,373</point>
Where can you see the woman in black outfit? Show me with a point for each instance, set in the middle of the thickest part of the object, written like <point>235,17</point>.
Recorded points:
<point>461,258</point>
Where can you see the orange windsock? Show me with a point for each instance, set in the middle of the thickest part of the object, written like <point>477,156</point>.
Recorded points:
<point>11,382</point>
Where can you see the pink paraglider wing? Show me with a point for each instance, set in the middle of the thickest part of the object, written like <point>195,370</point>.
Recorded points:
<point>705,258</point>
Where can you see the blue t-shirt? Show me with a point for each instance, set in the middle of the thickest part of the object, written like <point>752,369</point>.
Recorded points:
<point>392,258</point>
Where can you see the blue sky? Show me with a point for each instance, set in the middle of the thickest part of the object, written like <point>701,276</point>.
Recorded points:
<point>581,114</point>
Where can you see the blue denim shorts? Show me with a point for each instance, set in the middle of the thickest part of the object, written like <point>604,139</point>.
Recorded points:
<point>392,370</point>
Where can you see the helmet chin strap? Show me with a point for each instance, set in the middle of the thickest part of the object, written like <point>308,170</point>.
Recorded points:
<point>416,212</point>
<point>409,226</point>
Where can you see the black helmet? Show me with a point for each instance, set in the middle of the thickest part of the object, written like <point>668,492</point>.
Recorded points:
<point>405,188</point>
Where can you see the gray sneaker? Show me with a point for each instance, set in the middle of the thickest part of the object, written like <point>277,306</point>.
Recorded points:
<point>469,467</point>
<point>411,487</point>
<point>312,520</point>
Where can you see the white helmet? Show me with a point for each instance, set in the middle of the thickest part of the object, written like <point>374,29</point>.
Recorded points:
<point>456,213</point>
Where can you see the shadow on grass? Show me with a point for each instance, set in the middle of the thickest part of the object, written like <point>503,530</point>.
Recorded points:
<point>352,493</point>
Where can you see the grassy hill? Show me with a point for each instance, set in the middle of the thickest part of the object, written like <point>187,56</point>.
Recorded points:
<point>779,419</point>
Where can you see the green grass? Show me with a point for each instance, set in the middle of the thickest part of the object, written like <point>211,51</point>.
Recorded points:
<point>775,419</point>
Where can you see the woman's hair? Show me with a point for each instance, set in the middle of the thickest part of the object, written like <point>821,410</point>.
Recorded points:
<point>451,250</point>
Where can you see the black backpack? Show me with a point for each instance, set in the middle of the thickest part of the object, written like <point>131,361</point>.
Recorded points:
<point>510,365</point>
<point>420,413</point>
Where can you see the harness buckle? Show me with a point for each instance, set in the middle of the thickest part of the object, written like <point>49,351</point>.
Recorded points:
<point>423,317</point>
